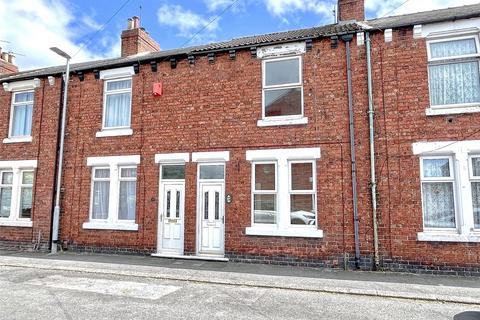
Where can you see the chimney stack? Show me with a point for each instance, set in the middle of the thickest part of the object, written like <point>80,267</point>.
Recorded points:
<point>135,39</point>
<point>351,10</point>
<point>7,63</point>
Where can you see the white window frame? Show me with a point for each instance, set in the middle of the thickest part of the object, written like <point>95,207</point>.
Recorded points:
<point>460,153</point>
<point>311,192</point>
<point>459,107</point>
<point>255,191</point>
<point>451,179</point>
<point>107,93</point>
<point>17,168</point>
<point>115,164</point>
<point>283,158</point>
<point>24,185</point>
<point>126,179</point>
<point>473,179</point>
<point>93,180</point>
<point>289,119</point>
<point>24,138</point>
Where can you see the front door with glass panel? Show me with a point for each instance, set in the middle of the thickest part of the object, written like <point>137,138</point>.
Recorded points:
<point>211,209</point>
<point>172,208</point>
<point>212,219</point>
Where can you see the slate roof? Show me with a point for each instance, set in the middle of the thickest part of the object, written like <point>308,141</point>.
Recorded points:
<point>449,14</point>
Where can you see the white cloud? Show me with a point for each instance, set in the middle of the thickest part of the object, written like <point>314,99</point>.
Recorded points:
<point>186,21</point>
<point>36,25</point>
<point>281,8</point>
<point>394,7</point>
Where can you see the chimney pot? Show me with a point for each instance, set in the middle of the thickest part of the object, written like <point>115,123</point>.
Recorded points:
<point>136,22</point>
<point>129,24</point>
<point>11,58</point>
<point>5,56</point>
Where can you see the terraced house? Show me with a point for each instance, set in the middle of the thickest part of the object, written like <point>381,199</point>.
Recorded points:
<point>355,144</point>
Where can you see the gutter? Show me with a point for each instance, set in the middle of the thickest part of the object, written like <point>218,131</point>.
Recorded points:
<point>371,122</point>
<point>347,39</point>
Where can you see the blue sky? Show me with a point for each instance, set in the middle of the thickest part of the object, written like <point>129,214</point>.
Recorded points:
<point>36,25</point>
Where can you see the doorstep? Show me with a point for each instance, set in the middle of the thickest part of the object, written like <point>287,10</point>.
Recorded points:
<point>197,257</point>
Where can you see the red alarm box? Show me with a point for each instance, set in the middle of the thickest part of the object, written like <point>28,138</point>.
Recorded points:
<point>157,89</point>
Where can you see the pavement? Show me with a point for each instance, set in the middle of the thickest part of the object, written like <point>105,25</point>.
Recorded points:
<point>423,288</point>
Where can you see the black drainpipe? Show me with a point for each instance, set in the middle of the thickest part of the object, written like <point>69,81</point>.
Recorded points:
<point>347,39</point>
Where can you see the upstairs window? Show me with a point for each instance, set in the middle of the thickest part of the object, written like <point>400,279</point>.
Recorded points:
<point>117,103</point>
<point>453,69</point>
<point>21,114</point>
<point>282,88</point>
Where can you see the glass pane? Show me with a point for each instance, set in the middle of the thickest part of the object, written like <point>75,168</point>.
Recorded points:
<point>173,172</point>
<point>211,171</point>
<point>265,176</point>
<point>127,200</point>
<point>265,208</point>
<point>168,204</point>
<point>476,203</point>
<point>119,84</point>
<point>454,83</point>
<point>438,205</point>
<point>27,177</point>
<point>282,72</point>
<point>283,102</point>
<point>302,209</point>
<point>22,120</point>
<point>205,204</point>
<point>217,205</point>
<point>177,209</point>
<point>117,110</point>
<point>7,177</point>
<point>5,202</point>
<point>453,48</point>
<point>26,202</point>
<point>302,176</point>
<point>128,172</point>
<point>436,168</point>
<point>476,167</point>
<point>24,97</point>
<point>102,173</point>
<point>100,199</point>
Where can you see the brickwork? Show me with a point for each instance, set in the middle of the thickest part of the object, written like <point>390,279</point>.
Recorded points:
<point>43,149</point>
<point>351,10</point>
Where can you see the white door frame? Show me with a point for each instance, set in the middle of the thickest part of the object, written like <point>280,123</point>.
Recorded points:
<point>160,219</point>
<point>201,182</point>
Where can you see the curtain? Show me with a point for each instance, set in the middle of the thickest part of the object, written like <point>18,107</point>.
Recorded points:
<point>436,168</point>
<point>128,195</point>
<point>454,83</point>
<point>453,48</point>
<point>439,207</point>
<point>476,203</point>
<point>117,110</point>
<point>5,201</point>
<point>100,199</point>
<point>22,120</point>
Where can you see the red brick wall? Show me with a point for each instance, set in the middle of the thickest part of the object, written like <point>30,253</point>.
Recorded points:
<point>209,107</point>
<point>401,97</point>
<point>351,10</point>
<point>137,40</point>
<point>43,149</point>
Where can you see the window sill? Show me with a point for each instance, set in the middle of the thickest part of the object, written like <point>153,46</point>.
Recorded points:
<point>281,122</point>
<point>17,140</point>
<point>452,110</point>
<point>110,226</point>
<point>448,237</point>
<point>114,132</point>
<point>17,223</point>
<point>294,232</point>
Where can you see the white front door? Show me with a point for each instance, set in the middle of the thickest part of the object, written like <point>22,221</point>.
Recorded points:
<point>211,213</point>
<point>172,218</point>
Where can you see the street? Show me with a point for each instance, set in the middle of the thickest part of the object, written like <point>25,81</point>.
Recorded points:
<point>27,293</point>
